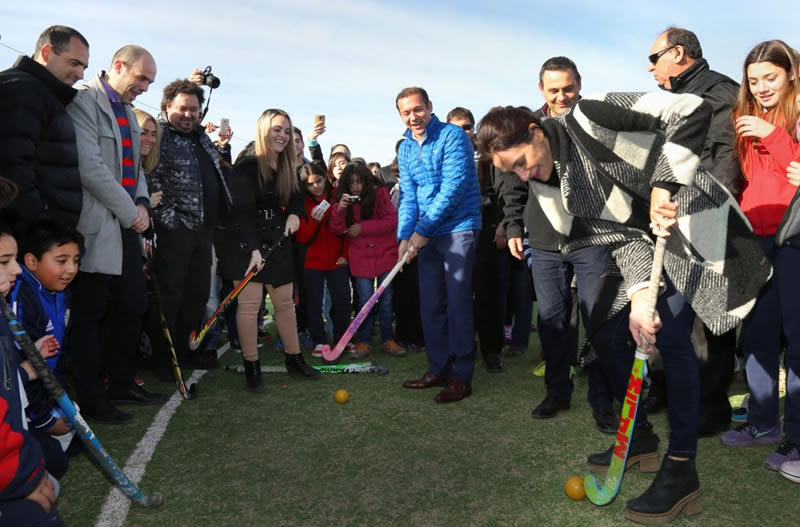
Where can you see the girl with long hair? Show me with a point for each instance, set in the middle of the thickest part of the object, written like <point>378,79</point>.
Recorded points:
<point>325,260</point>
<point>268,205</point>
<point>765,118</point>
<point>336,164</point>
<point>366,217</point>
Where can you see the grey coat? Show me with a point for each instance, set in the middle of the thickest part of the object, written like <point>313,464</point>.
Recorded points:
<point>106,204</point>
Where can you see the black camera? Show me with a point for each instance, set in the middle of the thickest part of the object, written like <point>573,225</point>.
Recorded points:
<point>353,199</point>
<point>209,79</point>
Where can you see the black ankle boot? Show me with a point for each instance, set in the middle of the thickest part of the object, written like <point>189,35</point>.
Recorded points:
<point>296,366</point>
<point>644,451</point>
<point>675,488</point>
<point>252,375</point>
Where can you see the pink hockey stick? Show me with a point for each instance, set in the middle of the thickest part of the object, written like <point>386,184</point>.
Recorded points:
<point>333,354</point>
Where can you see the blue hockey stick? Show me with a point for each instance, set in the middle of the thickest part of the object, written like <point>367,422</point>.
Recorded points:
<point>153,499</point>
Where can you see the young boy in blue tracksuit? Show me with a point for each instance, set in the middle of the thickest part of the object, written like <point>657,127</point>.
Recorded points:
<point>50,253</point>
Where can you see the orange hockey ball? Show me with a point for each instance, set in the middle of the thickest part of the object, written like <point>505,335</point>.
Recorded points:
<point>574,488</point>
<point>341,396</point>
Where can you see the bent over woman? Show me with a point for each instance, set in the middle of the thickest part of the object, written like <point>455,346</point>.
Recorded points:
<point>605,173</point>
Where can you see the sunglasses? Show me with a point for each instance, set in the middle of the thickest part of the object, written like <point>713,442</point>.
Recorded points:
<point>466,127</point>
<point>657,55</point>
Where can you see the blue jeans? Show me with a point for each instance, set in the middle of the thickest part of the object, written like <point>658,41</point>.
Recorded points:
<point>777,311</point>
<point>364,289</point>
<point>552,278</point>
<point>445,290</point>
<point>616,347</point>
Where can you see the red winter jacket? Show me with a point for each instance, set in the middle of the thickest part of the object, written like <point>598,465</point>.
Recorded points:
<point>767,192</point>
<point>326,247</point>
<point>374,251</point>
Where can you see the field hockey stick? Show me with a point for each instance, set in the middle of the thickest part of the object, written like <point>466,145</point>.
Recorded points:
<point>627,420</point>
<point>191,392</point>
<point>197,337</point>
<point>129,488</point>
<point>356,367</point>
<point>333,354</point>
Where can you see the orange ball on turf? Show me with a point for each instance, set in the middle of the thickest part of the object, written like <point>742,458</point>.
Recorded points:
<point>574,488</point>
<point>341,396</point>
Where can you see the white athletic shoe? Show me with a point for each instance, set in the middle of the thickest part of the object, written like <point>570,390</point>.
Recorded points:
<point>317,351</point>
<point>791,471</point>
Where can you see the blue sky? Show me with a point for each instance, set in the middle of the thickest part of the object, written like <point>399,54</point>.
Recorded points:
<point>349,59</point>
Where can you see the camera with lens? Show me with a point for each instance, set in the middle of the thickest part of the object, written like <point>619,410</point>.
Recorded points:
<point>209,79</point>
<point>353,199</point>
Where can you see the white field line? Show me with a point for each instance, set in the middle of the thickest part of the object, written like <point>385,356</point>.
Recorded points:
<point>115,509</point>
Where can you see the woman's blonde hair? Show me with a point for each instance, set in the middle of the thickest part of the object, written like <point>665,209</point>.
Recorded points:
<point>149,161</point>
<point>269,161</point>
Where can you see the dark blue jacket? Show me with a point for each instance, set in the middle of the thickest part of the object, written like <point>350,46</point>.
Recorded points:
<point>42,312</point>
<point>21,460</point>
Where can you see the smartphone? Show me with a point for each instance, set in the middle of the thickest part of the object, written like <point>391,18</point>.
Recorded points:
<point>319,119</point>
<point>224,124</point>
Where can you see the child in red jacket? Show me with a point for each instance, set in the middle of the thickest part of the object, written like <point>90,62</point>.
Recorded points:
<point>366,216</point>
<point>326,261</point>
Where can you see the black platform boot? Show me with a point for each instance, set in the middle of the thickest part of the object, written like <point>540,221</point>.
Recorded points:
<point>297,367</point>
<point>644,451</point>
<point>252,375</point>
<point>675,488</point>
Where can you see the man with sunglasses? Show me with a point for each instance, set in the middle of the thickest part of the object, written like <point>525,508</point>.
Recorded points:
<point>677,64</point>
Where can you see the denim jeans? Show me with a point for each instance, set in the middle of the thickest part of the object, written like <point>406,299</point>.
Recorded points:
<point>445,290</point>
<point>777,311</point>
<point>552,278</point>
<point>616,347</point>
<point>365,287</point>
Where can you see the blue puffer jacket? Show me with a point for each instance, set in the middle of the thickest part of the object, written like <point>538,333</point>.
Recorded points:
<point>438,184</point>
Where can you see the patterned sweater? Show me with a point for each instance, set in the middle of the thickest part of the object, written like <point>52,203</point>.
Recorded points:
<point>609,152</point>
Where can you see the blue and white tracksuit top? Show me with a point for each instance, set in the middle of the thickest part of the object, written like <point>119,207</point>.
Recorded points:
<point>438,184</point>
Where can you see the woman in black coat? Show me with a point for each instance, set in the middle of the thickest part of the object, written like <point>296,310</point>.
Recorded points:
<point>268,203</point>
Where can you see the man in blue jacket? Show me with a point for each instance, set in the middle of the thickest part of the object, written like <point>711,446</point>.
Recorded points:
<point>438,219</point>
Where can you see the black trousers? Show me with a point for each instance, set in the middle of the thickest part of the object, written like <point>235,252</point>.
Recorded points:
<point>405,301</point>
<point>183,271</point>
<point>716,375</point>
<point>107,313</point>
<point>489,298</point>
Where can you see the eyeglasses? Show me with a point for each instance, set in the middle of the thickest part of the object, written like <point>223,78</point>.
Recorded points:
<point>657,55</point>
<point>466,127</point>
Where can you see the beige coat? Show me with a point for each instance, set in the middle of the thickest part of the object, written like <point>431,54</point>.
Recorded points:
<point>106,204</point>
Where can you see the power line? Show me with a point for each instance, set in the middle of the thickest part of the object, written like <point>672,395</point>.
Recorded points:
<point>9,47</point>
<point>139,103</point>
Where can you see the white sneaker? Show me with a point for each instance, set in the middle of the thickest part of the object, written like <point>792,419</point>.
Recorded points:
<point>791,471</point>
<point>317,351</point>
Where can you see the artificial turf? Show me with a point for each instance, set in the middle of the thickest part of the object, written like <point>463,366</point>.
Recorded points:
<point>393,457</point>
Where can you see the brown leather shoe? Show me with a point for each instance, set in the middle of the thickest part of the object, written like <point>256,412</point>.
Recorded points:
<point>454,391</point>
<point>427,381</point>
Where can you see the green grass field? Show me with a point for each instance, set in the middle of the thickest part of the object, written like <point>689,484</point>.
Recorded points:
<point>393,457</point>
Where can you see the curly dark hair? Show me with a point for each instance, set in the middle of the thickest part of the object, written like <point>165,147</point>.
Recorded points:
<point>177,86</point>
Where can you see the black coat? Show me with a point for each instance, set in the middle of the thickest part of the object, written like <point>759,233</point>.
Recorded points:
<point>249,227</point>
<point>719,151</point>
<point>37,145</point>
